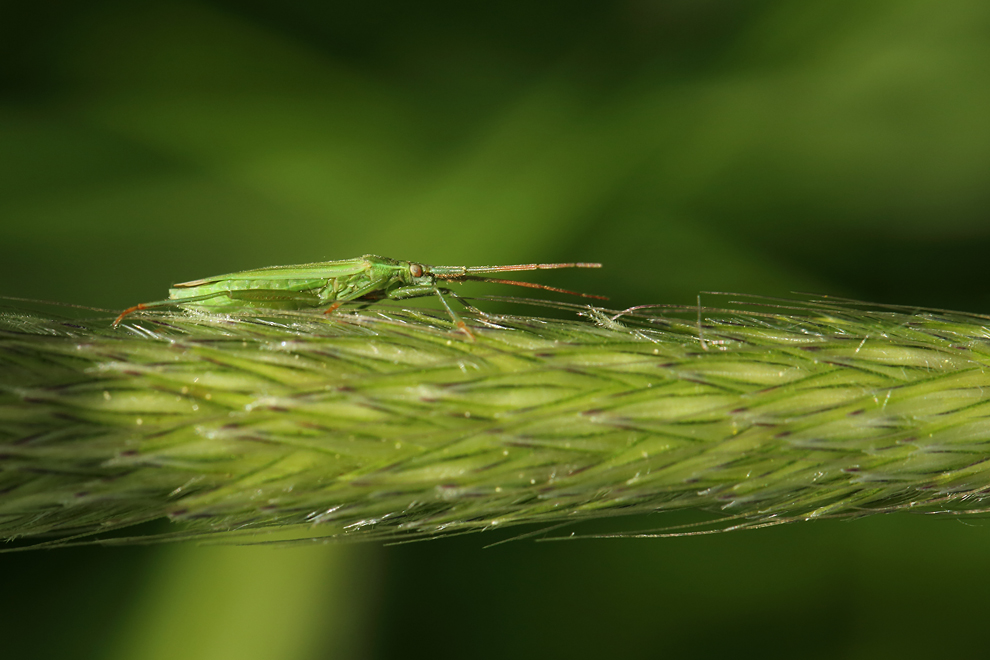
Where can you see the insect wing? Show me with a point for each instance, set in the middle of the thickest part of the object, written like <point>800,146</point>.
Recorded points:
<point>323,270</point>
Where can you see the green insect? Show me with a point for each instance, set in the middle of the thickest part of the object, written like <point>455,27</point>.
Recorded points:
<point>330,283</point>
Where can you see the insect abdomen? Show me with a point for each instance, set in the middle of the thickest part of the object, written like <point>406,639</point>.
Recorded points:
<point>283,294</point>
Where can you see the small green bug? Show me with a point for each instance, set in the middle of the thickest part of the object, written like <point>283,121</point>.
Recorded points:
<point>330,283</point>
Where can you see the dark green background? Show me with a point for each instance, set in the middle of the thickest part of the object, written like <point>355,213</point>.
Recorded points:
<point>837,147</point>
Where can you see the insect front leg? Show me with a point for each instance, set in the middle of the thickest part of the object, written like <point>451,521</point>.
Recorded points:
<point>430,290</point>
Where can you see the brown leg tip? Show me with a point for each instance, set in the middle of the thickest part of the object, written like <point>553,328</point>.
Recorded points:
<point>127,311</point>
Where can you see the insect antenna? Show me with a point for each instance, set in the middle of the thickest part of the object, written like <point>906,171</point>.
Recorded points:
<point>531,285</point>
<point>480,270</point>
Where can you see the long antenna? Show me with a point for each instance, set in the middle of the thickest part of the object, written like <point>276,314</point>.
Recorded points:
<point>442,272</point>
<point>530,285</point>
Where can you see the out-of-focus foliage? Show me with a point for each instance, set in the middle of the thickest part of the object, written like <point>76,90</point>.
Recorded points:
<point>767,146</point>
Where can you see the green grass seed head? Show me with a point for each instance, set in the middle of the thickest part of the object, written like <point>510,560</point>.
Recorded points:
<point>384,423</point>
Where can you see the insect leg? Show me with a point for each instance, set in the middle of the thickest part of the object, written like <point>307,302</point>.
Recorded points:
<point>373,287</point>
<point>428,290</point>
<point>418,291</point>
<point>461,325</point>
<point>166,303</point>
<point>468,306</point>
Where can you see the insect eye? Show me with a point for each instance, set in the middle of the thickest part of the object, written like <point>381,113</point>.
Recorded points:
<point>415,270</point>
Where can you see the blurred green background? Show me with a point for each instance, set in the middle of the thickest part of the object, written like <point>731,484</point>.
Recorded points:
<point>838,147</point>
